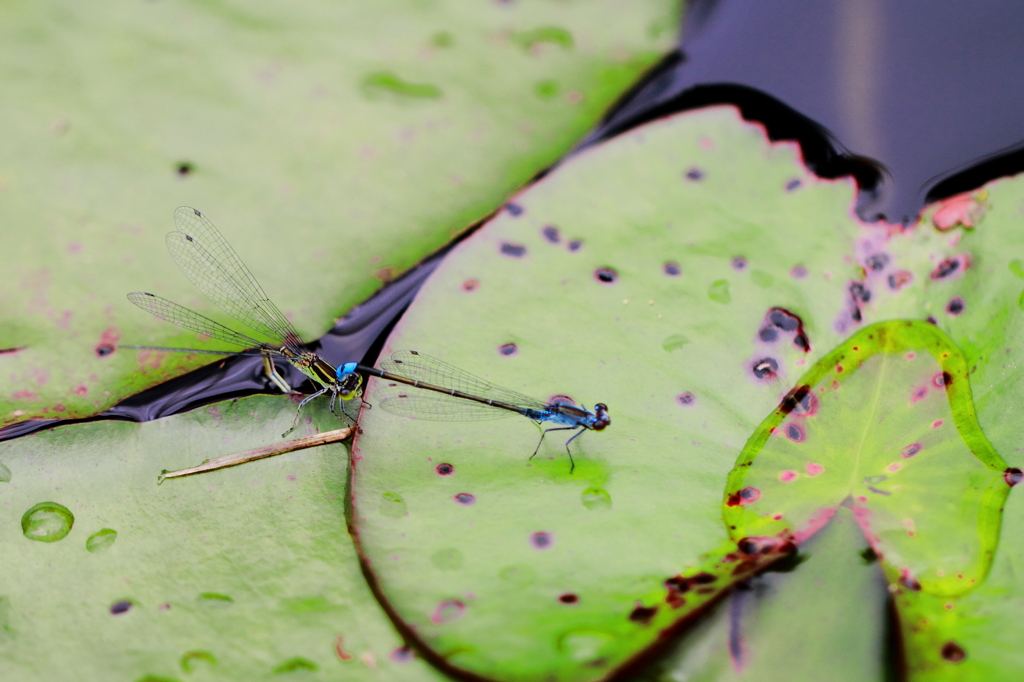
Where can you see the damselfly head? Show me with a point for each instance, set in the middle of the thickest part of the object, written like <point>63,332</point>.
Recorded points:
<point>350,386</point>
<point>601,418</point>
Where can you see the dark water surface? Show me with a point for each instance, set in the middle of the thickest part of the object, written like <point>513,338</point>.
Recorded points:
<point>919,99</point>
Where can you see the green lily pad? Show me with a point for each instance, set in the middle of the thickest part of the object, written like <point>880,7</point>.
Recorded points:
<point>694,226</point>
<point>242,574</point>
<point>335,146</point>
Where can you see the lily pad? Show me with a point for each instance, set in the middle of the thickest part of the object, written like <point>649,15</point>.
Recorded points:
<point>334,145</point>
<point>241,574</point>
<point>694,226</point>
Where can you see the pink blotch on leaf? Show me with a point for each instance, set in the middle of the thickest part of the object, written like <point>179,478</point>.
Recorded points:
<point>911,450</point>
<point>448,611</point>
<point>894,467</point>
<point>937,423</point>
<point>813,469</point>
<point>919,394</point>
<point>816,523</point>
<point>787,476</point>
<point>340,651</point>
<point>961,209</point>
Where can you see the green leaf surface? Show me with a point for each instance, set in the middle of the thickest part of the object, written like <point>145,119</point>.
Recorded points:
<point>691,227</point>
<point>242,574</point>
<point>886,421</point>
<point>335,145</point>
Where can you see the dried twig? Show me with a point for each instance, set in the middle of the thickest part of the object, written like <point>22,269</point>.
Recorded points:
<point>258,453</point>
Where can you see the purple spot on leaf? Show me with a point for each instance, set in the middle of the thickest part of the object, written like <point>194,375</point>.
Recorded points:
<point>119,607</point>
<point>541,540</point>
<point>513,250</point>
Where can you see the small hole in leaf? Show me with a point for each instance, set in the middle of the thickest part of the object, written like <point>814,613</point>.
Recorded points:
<point>739,263</point>
<point>514,210</point>
<point>444,469</point>
<point>877,261</point>
<point>569,598</point>
<point>508,349</point>
<point>766,368</point>
<point>672,269</point>
<point>859,292</point>
<point>606,275</point>
<point>471,285</point>
<point>551,234</point>
<point>793,184</point>
<point>955,306</point>
<point>695,174</point>
<point>465,499</point>
<point>184,168</point>
<point>574,245</point>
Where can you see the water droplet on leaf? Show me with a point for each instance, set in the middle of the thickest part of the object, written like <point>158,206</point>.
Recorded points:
<point>47,522</point>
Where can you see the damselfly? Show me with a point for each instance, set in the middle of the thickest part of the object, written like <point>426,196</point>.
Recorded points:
<point>446,393</point>
<point>215,269</point>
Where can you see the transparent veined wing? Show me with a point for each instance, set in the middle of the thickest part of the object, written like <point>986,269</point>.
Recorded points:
<point>215,269</point>
<point>407,401</point>
<point>419,367</point>
<point>189,319</point>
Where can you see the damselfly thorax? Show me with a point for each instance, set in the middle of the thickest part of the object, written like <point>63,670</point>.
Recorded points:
<point>215,269</point>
